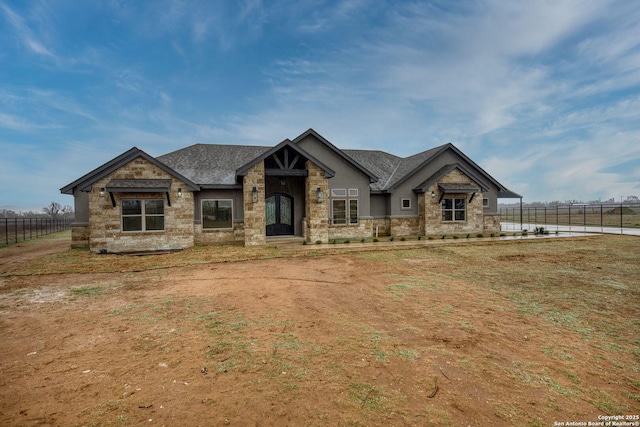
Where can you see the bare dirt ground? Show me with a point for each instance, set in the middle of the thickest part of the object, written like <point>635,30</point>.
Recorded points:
<point>480,334</point>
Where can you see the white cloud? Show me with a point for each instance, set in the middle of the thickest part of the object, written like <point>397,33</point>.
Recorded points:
<point>25,35</point>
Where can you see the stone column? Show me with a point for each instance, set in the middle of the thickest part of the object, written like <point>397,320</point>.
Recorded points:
<point>255,225</point>
<point>316,214</point>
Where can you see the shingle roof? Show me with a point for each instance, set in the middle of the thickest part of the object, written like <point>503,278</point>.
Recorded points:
<point>381,164</point>
<point>212,163</point>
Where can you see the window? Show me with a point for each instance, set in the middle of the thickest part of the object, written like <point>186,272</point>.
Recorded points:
<point>339,210</point>
<point>142,215</point>
<point>344,211</point>
<point>405,204</point>
<point>217,213</point>
<point>485,202</point>
<point>353,211</point>
<point>454,209</point>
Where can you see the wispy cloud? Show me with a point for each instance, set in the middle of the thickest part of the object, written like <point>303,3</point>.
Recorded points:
<point>25,36</point>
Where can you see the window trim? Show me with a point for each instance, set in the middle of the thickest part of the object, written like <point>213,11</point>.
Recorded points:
<point>453,209</point>
<point>352,192</point>
<point>346,212</point>
<point>202,214</point>
<point>405,208</point>
<point>339,192</point>
<point>485,202</point>
<point>143,216</point>
<point>350,222</point>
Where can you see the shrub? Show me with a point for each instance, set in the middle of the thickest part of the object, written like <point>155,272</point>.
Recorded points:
<point>525,233</point>
<point>318,242</point>
<point>479,235</point>
<point>502,234</point>
<point>493,235</point>
<point>304,242</point>
<point>430,237</point>
<point>361,240</point>
<point>391,239</point>
<point>402,239</point>
<point>443,237</point>
<point>419,237</point>
<point>455,236</point>
<point>347,241</point>
<point>375,240</point>
<point>468,236</point>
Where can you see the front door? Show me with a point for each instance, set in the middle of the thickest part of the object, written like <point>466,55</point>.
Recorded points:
<point>279,212</point>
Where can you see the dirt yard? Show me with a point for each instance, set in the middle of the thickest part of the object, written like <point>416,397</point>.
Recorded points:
<point>482,333</point>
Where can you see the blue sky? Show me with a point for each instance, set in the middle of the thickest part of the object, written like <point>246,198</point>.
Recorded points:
<point>544,95</point>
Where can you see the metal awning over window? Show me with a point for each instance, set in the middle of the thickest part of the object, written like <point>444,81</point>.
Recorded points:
<point>457,188</point>
<point>138,186</point>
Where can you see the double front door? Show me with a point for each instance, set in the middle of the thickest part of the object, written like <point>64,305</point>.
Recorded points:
<point>279,213</point>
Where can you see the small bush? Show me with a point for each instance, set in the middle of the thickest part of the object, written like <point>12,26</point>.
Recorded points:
<point>361,240</point>
<point>318,242</point>
<point>480,235</point>
<point>525,233</point>
<point>419,237</point>
<point>455,236</point>
<point>493,235</point>
<point>402,239</point>
<point>468,236</point>
<point>502,234</point>
<point>430,237</point>
<point>304,242</point>
<point>347,241</point>
<point>333,242</point>
<point>375,240</point>
<point>391,239</point>
<point>443,236</point>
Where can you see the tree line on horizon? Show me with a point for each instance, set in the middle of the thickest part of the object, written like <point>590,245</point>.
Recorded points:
<point>53,210</point>
<point>628,200</point>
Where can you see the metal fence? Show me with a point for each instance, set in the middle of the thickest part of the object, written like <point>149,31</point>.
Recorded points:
<point>14,230</point>
<point>619,215</point>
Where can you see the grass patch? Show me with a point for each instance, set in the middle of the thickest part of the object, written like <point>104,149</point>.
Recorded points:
<point>88,291</point>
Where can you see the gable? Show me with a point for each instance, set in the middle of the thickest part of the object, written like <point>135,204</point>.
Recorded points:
<point>315,144</point>
<point>85,182</point>
<point>287,157</point>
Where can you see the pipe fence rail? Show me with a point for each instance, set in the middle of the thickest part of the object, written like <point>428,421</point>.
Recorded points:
<point>603,215</point>
<point>14,230</point>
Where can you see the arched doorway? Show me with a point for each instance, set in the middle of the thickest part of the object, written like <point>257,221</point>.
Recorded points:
<point>279,214</point>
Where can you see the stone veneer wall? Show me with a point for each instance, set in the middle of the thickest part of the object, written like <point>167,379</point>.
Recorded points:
<point>432,211</point>
<point>80,235</point>
<point>105,224</point>
<point>383,227</point>
<point>213,236</point>
<point>404,226</point>
<point>255,223</point>
<point>492,223</point>
<point>316,222</point>
<point>361,230</point>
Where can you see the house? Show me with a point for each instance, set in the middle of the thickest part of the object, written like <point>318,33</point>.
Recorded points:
<point>306,187</point>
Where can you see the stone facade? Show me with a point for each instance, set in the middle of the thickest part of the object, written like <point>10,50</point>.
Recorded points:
<point>361,230</point>
<point>105,221</point>
<point>492,223</point>
<point>255,224</point>
<point>316,221</point>
<point>431,209</point>
<point>79,235</point>
<point>404,226</point>
<point>213,236</point>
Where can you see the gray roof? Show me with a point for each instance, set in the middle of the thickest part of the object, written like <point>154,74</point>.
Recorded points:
<point>212,163</point>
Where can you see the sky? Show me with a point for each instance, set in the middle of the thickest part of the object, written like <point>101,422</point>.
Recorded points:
<point>544,95</point>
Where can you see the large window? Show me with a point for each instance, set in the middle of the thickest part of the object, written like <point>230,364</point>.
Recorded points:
<point>339,210</point>
<point>344,211</point>
<point>142,215</point>
<point>217,213</point>
<point>454,209</point>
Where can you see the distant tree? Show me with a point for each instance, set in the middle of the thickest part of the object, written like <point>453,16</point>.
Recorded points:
<point>632,199</point>
<point>56,210</point>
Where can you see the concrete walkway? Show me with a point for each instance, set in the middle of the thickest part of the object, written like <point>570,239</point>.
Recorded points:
<point>515,226</point>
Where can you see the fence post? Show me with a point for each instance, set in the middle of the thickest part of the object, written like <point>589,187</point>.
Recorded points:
<point>621,229</point>
<point>6,229</point>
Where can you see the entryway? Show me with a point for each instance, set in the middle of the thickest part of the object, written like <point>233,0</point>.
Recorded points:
<point>279,214</point>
